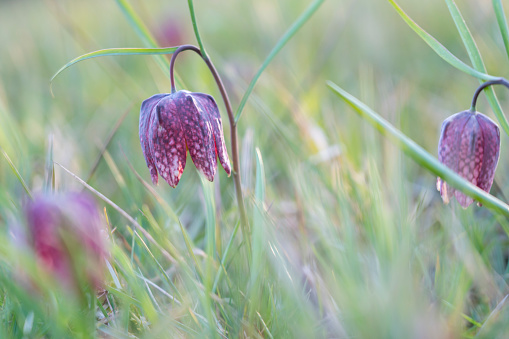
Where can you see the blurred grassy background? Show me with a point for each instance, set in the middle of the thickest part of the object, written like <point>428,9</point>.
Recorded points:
<point>357,241</point>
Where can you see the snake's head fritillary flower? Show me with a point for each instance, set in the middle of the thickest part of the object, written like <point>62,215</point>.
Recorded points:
<point>172,123</point>
<point>469,145</point>
<point>65,232</point>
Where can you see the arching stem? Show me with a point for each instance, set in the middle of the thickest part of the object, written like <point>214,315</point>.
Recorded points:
<point>500,81</point>
<point>233,133</point>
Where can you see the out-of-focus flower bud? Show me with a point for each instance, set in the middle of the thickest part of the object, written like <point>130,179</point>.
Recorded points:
<point>65,232</point>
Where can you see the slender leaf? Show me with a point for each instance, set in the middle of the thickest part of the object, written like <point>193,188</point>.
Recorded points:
<point>301,20</point>
<point>16,172</point>
<point>116,51</point>
<point>136,22</point>
<point>466,36</point>
<point>190,246</point>
<point>265,326</point>
<point>210,232</point>
<point>165,206</point>
<point>195,28</point>
<point>225,257</point>
<point>107,143</point>
<point>210,210</point>
<point>49,175</point>
<point>143,32</point>
<point>439,48</point>
<point>258,241</point>
<point>122,212</point>
<point>502,23</point>
<point>477,62</point>
<point>466,317</point>
<point>421,156</point>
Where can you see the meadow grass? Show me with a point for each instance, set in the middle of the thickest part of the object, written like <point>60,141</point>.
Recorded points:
<point>349,237</point>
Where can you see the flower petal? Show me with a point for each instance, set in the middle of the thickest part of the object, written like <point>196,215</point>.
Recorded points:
<point>448,149</point>
<point>207,103</point>
<point>198,133</point>
<point>145,113</point>
<point>491,149</point>
<point>167,141</point>
<point>470,157</point>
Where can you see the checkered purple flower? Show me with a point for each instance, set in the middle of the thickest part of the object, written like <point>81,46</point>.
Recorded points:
<point>470,145</point>
<point>172,123</point>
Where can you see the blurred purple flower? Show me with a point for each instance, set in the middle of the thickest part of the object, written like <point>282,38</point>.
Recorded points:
<point>170,123</point>
<point>470,145</point>
<point>65,233</point>
<point>170,32</point>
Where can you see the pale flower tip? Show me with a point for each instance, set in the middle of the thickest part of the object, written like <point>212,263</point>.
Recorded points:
<point>173,183</point>
<point>227,167</point>
<point>154,177</point>
<point>209,176</point>
<point>463,199</point>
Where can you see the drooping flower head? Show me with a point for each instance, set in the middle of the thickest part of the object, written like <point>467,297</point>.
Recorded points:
<point>172,123</point>
<point>66,235</point>
<point>469,145</point>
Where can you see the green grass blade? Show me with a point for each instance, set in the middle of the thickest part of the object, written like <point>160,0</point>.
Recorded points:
<point>439,48</point>
<point>143,32</point>
<point>477,62</point>
<point>502,23</point>
<point>466,317</point>
<point>210,232</point>
<point>154,259</point>
<point>280,44</point>
<point>121,212</point>
<point>116,51</point>
<point>189,246</point>
<point>16,172</point>
<point>49,175</point>
<point>265,326</point>
<point>421,156</point>
<point>466,36</point>
<point>258,257</point>
<point>210,206</point>
<point>136,22</point>
<point>107,143</point>
<point>195,27</point>
<point>260,178</point>
<point>225,257</point>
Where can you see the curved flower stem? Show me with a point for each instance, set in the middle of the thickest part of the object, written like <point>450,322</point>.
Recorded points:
<point>233,134</point>
<point>500,81</point>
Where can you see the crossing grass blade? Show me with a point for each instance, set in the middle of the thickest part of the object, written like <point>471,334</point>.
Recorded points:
<point>280,44</point>
<point>439,49</point>
<point>143,32</point>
